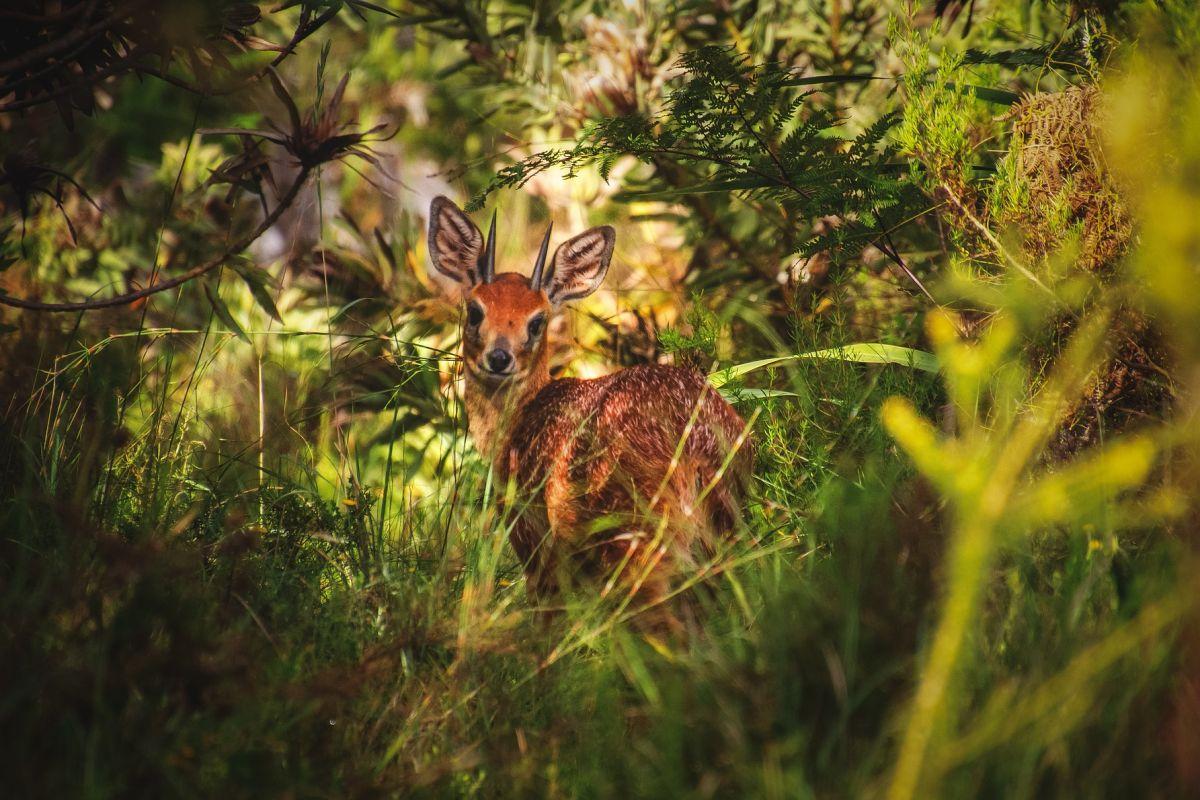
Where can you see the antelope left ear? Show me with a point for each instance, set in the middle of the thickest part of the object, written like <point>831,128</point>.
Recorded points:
<point>579,265</point>
<point>455,248</point>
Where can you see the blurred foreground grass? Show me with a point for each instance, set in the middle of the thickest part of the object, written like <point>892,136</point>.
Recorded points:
<point>259,559</point>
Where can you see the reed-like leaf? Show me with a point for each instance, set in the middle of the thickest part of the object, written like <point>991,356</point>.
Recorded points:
<point>862,353</point>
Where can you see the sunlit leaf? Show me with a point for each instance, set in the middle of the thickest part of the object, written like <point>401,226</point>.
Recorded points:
<point>223,313</point>
<point>865,353</point>
<point>752,393</point>
<point>257,281</point>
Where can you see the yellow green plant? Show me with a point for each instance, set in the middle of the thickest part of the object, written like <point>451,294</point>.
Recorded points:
<point>992,468</point>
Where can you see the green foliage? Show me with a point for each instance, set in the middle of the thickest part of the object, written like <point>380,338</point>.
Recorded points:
<point>246,549</point>
<point>745,129</point>
<point>698,345</point>
<point>936,127</point>
<point>989,474</point>
<point>864,353</point>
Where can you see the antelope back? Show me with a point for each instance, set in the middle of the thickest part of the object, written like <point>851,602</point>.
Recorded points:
<point>619,453</point>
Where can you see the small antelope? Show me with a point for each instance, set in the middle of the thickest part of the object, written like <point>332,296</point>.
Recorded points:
<point>630,476</point>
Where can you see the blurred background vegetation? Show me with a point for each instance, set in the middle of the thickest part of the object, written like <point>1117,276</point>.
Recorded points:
<point>943,253</point>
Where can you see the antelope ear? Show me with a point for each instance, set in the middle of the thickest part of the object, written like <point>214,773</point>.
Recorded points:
<point>579,265</point>
<point>455,245</point>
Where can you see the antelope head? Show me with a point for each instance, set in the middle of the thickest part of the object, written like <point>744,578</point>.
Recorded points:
<point>504,324</point>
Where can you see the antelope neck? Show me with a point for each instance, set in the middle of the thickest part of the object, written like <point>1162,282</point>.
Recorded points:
<point>491,410</point>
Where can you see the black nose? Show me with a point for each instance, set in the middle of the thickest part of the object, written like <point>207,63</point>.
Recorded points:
<point>499,360</point>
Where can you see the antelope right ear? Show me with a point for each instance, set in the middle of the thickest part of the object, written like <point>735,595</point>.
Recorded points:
<point>455,247</point>
<point>579,265</point>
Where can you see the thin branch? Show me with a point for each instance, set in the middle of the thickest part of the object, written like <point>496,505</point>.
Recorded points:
<point>991,239</point>
<point>125,299</point>
<point>885,245</point>
<point>765,145</point>
<point>91,80</point>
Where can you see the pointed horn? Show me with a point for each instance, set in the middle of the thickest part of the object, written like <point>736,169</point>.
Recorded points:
<point>489,253</point>
<point>535,282</point>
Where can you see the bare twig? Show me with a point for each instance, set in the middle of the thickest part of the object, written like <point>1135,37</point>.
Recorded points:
<point>241,244</point>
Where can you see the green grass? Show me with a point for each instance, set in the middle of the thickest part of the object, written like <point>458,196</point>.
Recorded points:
<point>249,556</point>
<point>179,624</point>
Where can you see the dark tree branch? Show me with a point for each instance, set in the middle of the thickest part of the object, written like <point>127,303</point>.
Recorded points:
<point>284,203</point>
<point>52,48</point>
<point>65,89</point>
<point>135,60</point>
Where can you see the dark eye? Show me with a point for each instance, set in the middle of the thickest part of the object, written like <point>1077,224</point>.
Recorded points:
<point>535,326</point>
<point>474,314</point>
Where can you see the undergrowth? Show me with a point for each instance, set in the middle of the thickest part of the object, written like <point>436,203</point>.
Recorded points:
<point>246,551</point>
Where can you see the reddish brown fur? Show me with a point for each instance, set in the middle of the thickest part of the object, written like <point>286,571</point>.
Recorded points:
<point>509,303</point>
<point>637,473</point>
<point>592,460</point>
